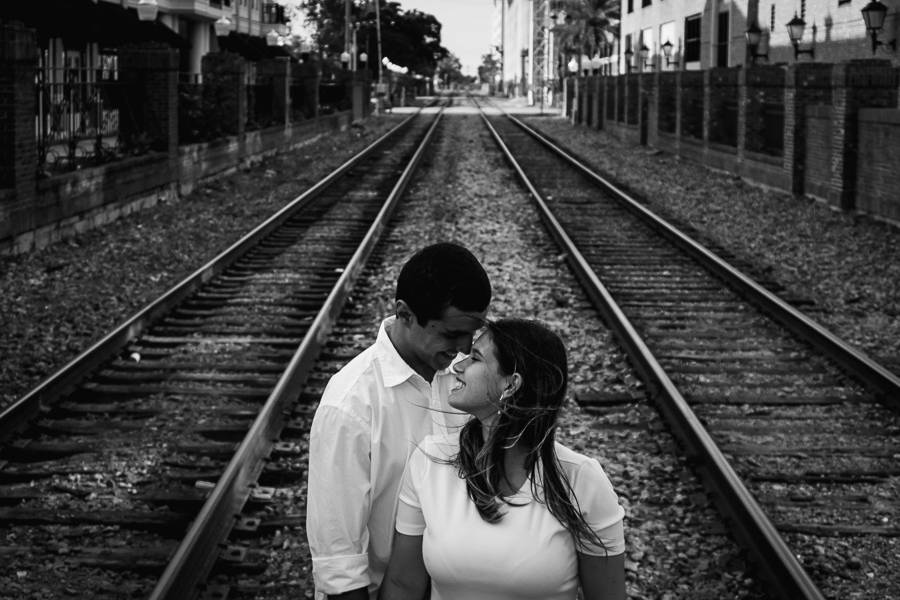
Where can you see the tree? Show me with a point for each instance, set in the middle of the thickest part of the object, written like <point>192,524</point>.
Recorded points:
<point>488,69</point>
<point>408,38</point>
<point>449,72</point>
<point>582,27</point>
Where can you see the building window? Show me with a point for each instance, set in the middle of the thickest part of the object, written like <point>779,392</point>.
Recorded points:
<point>630,6</point>
<point>646,2</point>
<point>722,40</point>
<point>692,38</point>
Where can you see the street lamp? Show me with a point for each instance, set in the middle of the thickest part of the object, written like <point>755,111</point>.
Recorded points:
<point>873,14</point>
<point>645,54</point>
<point>757,43</point>
<point>272,38</point>
<point>148,9</point>
<point>345,59</point>
<point>222,26</point>
<point>595,65</point>
<point>795,32</point>
<point>628,54</point>
<point>667,48</point>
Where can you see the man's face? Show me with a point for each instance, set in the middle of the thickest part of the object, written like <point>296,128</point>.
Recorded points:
<point>437,343</point>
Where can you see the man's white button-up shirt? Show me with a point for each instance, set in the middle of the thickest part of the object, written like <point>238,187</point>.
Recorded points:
<point>373,412</point>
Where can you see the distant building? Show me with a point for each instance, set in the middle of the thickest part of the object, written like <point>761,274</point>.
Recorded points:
<point>713,33</point>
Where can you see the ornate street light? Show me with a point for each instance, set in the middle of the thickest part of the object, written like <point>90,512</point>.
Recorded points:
<point>147,10</point>
<point>595,65</point>
<point>645,54</point>
<point>272,38</point>
<point>345,59</point>
<point>222,26</point>
<point>757,43</point>
<point>796,26</point>
<point>667,48</point>
<point>873,14</point>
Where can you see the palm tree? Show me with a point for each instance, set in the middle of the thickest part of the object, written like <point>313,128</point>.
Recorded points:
<point>582,27</point>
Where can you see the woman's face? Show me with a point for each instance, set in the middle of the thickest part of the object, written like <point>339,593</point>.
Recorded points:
<point>479,382</point>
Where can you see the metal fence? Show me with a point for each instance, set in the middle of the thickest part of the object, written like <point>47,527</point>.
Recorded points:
<point>77,116</point>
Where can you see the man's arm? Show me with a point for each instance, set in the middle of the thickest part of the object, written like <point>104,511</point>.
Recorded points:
<point>338,502</point>
<point>406,577</point>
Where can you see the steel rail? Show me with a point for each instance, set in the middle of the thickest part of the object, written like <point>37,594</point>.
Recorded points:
<point>780,567</point>
<point>857,362</point>
<point>194,557</point>
<point>66,378</point>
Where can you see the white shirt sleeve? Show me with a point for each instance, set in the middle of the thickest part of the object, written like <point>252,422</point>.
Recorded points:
<point>410,519</point>
<point>338,500</point>
<point>601,509</point>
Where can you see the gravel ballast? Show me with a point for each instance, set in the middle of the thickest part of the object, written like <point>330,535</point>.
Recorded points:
<point>61,299</point>
<point>849,265</point>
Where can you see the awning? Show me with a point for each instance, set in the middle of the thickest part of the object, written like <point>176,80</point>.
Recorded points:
<point>79,22</point>
<point>251,47</point>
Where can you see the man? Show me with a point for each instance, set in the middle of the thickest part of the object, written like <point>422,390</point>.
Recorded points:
<point>377,408</point>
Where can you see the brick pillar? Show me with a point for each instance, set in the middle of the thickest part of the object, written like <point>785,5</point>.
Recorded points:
<point>305,88</point>
<point>602,82</point>
<point>225,92</point>
<point>679,107</point>
<point>278,72</point>
<point>742,95</point>
<point>646,92</point>
<point>805,84</point>
<point>653,110</point>
<point>707,106</point>
<point>149,72</point>
<point>857,84</point>
<point>18,147</point>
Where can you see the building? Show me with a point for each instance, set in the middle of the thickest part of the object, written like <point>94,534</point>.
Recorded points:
<point>713,33</point>
<point>80,37</point>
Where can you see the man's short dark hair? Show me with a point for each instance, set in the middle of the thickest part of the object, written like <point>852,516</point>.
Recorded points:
<point>443,275</point>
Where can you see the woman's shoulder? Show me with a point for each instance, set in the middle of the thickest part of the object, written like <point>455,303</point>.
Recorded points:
<point>439,446</point>
<point>578,465</point>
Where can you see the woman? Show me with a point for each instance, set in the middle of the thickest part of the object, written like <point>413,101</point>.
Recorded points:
<point>501,511</point>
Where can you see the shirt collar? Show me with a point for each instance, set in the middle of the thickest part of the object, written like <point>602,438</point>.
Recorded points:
<point>393,368</point>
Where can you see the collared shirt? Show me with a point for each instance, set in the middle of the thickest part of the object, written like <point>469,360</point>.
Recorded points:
<point>372,414</point>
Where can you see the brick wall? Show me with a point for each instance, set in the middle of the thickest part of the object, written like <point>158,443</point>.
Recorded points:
<point>764,128</point>
<point>805,127</point>
<point>723,104</point>
<point>692,104</point>
<point>18,147</point>
<point>878,176</point>
<point>667,102</point>
<point>817,171</point>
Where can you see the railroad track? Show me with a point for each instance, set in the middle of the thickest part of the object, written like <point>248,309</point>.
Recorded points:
<point>794,432</point>
<point>122,472</point>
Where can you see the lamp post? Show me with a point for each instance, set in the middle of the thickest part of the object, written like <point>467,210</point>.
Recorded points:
<point>757,43</point>
<point>645,54</point>
<point>147,10</point>
<point>796,26</point>
<point>272,38</point>
<point>667,48</point>
<point>222,26</point>
<point>873,14</point>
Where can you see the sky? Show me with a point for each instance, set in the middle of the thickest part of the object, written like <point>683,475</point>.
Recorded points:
<point>466,27</point>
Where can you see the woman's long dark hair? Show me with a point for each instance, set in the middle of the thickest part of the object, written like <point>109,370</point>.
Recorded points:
<point>528,418</point>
